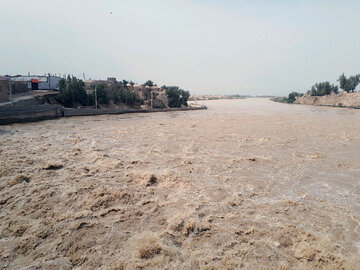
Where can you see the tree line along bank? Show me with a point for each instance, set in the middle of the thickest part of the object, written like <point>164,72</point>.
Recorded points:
<point>347,84</point>
<point>73,93</point>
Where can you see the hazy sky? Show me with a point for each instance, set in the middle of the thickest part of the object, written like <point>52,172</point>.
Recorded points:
<point>205,46</point>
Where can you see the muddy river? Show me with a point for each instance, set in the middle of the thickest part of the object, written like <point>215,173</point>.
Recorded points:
<point>246,184</point>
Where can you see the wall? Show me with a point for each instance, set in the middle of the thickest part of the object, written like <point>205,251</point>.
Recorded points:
<point>19,87</point>
<point>4,89</point>
<point>30,113</point>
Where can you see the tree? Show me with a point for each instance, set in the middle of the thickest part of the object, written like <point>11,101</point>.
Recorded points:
<point>124,96</point>
<point>130,98</point>
<point>62,84</point>
<point>101,94</point>
<point>323,88</point>
<point>149,83</point>
<point>72,93</point>
<point>124,83</point>
<point>177,96</point>
<point>292,97</point>
<point>349,84</point>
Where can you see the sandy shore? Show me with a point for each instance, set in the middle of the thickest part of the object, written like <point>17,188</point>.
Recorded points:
<point>246,184</point>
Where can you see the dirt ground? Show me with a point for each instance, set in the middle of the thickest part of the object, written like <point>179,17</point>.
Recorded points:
<point>247,184</point>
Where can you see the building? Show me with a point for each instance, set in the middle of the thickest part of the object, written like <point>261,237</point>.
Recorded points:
<point>35,82</point>
<point>111,80</point>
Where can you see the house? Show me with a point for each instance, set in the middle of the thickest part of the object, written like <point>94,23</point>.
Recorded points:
<point>111,80</point>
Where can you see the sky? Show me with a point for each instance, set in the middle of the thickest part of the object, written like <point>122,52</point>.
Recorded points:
<point>257,47</point>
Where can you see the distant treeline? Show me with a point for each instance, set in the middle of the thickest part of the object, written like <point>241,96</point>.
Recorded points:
<point>72,93</point>
<point>325,88</point>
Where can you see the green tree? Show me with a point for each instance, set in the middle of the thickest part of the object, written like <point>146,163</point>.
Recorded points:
<point>349,84</point>
<point>149,83</point>
<point>124,96</point>
<point>292,97</point>
<point>72,92</point>
<point>177,96</point>
<point>323,89</point>
<point>62,84</point>
<point>124,82</point>
<point>116,96</point>
<point>130,98</point>
<point>101,94</point>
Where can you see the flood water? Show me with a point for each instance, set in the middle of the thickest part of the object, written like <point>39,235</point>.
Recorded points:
<point>246,184</point>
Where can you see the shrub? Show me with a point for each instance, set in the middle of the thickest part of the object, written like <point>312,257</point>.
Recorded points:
<point>290,99</point>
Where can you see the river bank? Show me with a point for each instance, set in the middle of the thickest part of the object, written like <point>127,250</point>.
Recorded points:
<point>31,113</point>
<point>349,100</point>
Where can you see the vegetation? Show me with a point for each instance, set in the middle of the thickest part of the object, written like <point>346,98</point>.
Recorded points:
<point>149,83</point>
<point>177,96</point>
<point>72,93</point>
<point>323,89</point>
<point>101,94</point>
<point>124,96</point>
<point>326,88</point>
<point>124,82</point>
<point>349,84</point>
<point>290,99</point>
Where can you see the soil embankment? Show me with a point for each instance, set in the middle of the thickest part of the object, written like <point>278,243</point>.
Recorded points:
<point>351,100</point>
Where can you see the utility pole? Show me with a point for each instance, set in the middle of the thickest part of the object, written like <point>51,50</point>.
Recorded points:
<point>96,106</point>
<point>152,99</point>
<point>10,88</point>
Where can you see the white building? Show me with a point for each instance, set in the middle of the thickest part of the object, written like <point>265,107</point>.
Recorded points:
<point>35,82</point>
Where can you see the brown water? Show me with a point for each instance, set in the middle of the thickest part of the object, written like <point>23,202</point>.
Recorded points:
<point>247,184</point>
